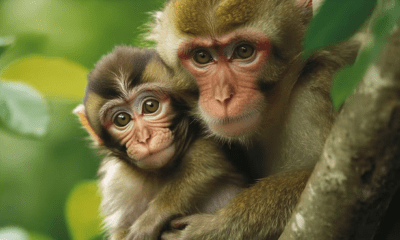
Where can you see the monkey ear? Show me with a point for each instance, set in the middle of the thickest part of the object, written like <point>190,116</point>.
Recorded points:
<point>308,8</point>
<point>305,3</point>
<point>80,112</point>
<point>310,4</point>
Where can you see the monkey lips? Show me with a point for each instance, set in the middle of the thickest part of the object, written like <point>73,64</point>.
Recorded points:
<point>154,159</point>
<point>234,126</point>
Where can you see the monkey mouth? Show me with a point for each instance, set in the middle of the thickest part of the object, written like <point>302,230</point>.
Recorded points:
<point>154,158</point>
<point>152,152</point>
<point>232,127</point>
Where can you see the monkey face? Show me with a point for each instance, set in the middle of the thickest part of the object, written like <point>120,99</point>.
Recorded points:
<point>241,55</point>
<point>226,70</point>
<point>129,108</point>
<point>141,124</point>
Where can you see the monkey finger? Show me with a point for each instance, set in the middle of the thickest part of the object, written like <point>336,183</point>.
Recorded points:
<point>180,223</point>
<point>195,219</point>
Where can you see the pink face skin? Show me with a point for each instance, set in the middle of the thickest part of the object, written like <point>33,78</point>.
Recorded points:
<point>148,139</point>
<point>229,94</point>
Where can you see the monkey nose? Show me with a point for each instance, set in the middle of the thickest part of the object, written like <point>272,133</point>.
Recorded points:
<point>143,136</point>
<point>223,95</point>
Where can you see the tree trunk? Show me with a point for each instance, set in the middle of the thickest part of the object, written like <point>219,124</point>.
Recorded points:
<point>359,170</point>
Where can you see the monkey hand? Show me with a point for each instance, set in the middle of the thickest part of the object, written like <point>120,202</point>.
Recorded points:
<point>200,227</point>
<point>149,225</point>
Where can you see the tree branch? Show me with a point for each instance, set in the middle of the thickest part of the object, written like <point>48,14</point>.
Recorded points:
<point>359,170</point>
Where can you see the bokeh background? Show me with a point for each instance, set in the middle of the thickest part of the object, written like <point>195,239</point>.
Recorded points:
<point>47,171</point>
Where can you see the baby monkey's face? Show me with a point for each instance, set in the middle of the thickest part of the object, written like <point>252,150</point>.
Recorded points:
<point>141,124</point>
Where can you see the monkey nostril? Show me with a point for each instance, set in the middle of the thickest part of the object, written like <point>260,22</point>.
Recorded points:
<point>146,139</point>
<point>223,100</point>
<point>143,138</point>
<point>224,96</point>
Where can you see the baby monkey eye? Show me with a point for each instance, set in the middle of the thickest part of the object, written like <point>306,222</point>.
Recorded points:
<point>244,51</point>
<point>202,57</point>
<point>122,119</point>
<point>150,106</point>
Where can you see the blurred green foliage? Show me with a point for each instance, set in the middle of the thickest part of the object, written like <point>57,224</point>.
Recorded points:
<point>5,43</point>
<point>23,109</point>
<point>11,233</point>
<point>37,175</point>
<point>52,76</point>
<point>52,44</point>
<point>82,211</point>
<point>79,30</point>
<point>335,22</point>
<point>17,233</point>
<point>348,78</point>
<point>338,20</point>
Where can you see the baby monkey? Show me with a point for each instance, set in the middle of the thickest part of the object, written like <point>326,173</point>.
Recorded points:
<point>157,165</point>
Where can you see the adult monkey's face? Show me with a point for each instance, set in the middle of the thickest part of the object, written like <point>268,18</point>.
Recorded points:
<point>226,70</point>
<point>243,56</point>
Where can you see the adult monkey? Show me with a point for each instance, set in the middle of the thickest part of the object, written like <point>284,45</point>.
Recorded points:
<point>244,57</point>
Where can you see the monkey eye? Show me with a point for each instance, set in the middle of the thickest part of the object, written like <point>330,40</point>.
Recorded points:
<point>122,119</point>
<point>244,51</point>
<point>202,57</point>
<point>150,106</point>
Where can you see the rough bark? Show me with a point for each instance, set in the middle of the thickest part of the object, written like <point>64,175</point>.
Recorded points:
<point>359,170</point>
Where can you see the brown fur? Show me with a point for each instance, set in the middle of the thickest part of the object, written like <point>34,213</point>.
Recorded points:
<point>290,138</point>
<point>184,189</point>
<point>138,203</point>
<point>188,19</point>
<point>232,13</point>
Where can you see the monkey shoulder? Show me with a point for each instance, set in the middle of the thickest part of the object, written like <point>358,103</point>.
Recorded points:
<point>323,64</point>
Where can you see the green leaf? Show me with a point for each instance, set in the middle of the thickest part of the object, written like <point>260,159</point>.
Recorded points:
<point>82,211</point>
<point>385,23</point>
<point>5,42</point>
<point>52,76</point>
<point>39,236</point>
<point>26,43</point>
<point>13,233</point>
<point>17,233</point>
<point>348,78</point>
<point>99,237</point>
<point>23,109</point>
<point>336,21</point>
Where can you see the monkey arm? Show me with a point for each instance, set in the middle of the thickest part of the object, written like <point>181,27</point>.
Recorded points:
<point>202,169</point>
<point>258,212</point>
